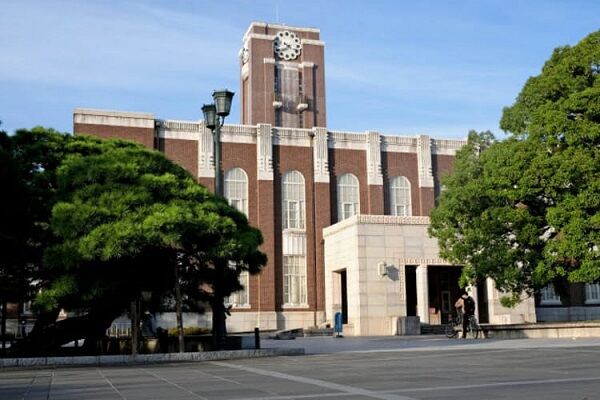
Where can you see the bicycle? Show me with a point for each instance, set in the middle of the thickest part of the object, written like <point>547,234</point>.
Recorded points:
<point>454,326</point>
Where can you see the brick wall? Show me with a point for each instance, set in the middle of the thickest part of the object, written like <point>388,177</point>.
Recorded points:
<point>144,136</point>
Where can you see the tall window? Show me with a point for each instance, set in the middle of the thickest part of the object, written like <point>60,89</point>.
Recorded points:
<point>347,196</point>
<point>592,293</point>
<point>240,298</point>
<point>294,280</point>
<point>400,196</point>
<point>236,189</point>
<point>292,197</point>
<point>548,295</point>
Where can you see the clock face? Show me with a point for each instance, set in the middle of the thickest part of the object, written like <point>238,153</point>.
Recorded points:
<point>244,54</point>
<point>287,45</point>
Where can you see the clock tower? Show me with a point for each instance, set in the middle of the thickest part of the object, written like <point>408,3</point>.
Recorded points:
<point>282,76</point>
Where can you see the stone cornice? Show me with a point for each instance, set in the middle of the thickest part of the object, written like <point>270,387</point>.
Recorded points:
<point>292,137</point>
<point>238,133</point>
<point>313,42</point>
<point>249,33</point>
<point>375,220</point>
<point>446,146</point>
<point>425,261</point>
<point>113,118</point>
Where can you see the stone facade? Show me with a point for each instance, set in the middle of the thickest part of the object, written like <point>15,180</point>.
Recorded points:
<point>372,253</point>
<point>284,129</point>
<point>266,153</point>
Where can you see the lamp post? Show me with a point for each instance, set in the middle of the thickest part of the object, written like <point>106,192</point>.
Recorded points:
<point>214,118</point>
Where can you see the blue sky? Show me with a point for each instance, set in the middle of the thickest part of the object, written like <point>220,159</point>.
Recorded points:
<point>398,67</point>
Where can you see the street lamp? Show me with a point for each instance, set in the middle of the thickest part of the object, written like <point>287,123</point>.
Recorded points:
<point>214,118</point>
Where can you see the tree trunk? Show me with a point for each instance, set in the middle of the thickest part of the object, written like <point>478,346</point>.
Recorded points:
<point>178,310</point>
<point>135,327</point>
<point>48,334</point>
<point>218,308</point>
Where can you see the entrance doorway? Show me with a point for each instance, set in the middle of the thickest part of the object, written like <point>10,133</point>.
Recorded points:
<point>410,272</point>
<point>340,294</point>
<point>344,284</point>
<point>443,292</point>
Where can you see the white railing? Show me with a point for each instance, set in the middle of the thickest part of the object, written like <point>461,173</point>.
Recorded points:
<point>181,125</point>
<point>119,329</point>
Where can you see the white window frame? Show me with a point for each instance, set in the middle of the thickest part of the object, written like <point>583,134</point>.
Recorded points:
<point>235,189</point>
<point>348,196</point>
<point>293,201</point>
<point>294,281</point>
<point>592,293</point>
<point>240,299</point>
<point>400,187</point>
<point>548,296</point>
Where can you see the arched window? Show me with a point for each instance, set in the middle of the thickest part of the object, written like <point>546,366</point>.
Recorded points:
<point>400,196</point>
<point>348,196</point>
<point>292,198</point>
<point>236,189</point>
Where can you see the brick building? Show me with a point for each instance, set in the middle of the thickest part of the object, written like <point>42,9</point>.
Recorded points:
<point>343,214</point>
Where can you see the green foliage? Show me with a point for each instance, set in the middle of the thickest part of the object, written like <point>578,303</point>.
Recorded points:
<point>525,211</point>
<point>114,219</point>
<point>28,161</point>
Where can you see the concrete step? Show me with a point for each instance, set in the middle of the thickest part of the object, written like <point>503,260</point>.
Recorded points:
<point>287,334</point>
<point>308,332</point>
<point>427,329</point>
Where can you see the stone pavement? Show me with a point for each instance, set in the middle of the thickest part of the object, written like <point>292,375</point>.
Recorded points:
<point>396,368</point>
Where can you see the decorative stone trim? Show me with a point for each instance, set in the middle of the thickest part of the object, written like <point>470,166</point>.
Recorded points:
<point>339,226</point>
<point>320,155</point>
<point>399,144</point>
<point>347,140</point>
<point>424,161</point>
<point>276,26</point>
<point>391,219</point>
<point>374,174</point>
<point>113,118</point>
<point>182,130</point>
<point>425,261</point>
<point>238,134</point>
<point>264,152</point>
<point>269,61</point>
<point>313,42</point>
<point>179,125</point>
<point>375,219</point>
<point>447,146</point>
<point>291,137</point>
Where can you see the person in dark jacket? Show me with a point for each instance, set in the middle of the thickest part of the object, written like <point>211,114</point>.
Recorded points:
<point>465,306</point>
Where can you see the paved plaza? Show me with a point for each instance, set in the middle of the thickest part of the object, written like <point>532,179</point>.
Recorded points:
<point>363,368</point>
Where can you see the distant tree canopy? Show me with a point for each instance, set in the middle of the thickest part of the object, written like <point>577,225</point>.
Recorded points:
<point>120,219</point>
<point>525,211</point>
